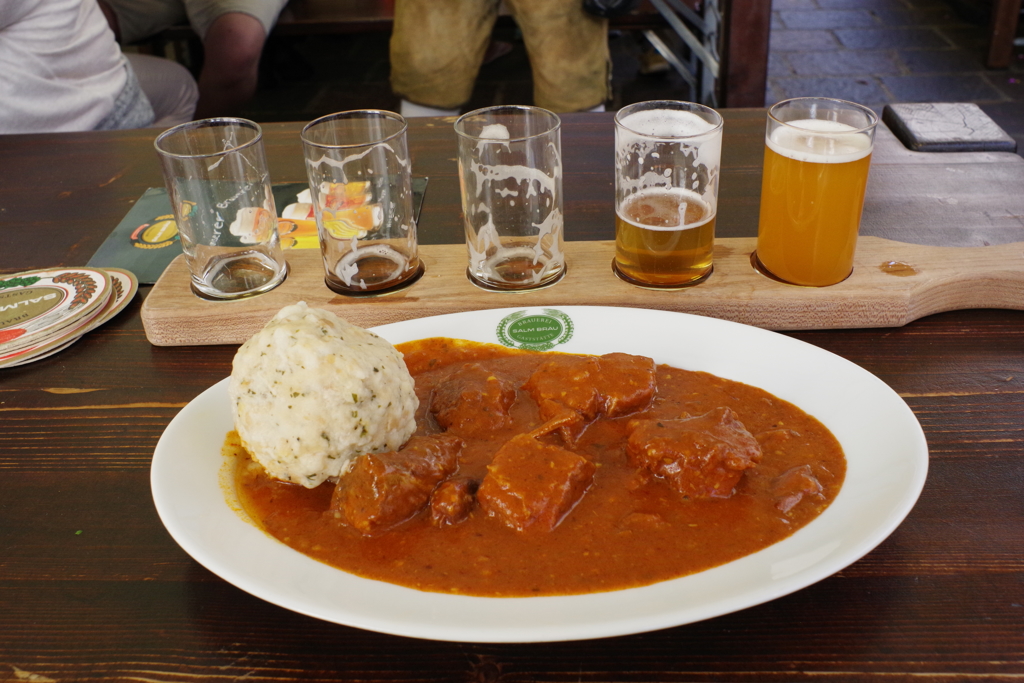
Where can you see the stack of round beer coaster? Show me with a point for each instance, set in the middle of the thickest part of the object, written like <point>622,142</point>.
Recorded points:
<point>45,311</point>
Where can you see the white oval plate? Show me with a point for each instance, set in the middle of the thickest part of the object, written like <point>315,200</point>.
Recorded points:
<point>887,460</point>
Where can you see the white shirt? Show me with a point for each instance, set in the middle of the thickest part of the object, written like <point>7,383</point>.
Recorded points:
<point>60,66</point>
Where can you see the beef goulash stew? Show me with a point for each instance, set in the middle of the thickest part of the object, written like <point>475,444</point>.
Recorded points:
<point>536,473</point>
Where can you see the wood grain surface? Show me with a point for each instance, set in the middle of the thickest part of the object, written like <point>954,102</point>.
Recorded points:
<point>892,283</point>
<point>92,588</point>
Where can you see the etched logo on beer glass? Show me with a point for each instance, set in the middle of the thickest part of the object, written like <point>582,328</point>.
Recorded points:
<point>219,187</point>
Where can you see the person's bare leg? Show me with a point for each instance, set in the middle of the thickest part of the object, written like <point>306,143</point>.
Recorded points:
<point>232,48</point>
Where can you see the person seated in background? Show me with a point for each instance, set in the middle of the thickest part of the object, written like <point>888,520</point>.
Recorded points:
<point>233,33</point>
<point>62,70</point>
<point>437,47</point>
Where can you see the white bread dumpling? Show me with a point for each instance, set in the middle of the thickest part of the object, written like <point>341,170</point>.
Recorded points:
<point>311,391</point>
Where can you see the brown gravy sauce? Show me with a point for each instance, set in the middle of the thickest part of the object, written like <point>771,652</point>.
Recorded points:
<point>623,533</point>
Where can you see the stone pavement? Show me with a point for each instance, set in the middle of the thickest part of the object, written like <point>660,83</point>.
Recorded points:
<point>883,51</point>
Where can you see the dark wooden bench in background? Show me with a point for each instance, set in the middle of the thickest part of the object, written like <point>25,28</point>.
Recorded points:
<point>1002,32</point>
<point>742,45</point>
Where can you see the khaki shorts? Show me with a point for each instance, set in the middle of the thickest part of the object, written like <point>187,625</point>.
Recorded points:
<point>437,47</point>
<point>140,19</point>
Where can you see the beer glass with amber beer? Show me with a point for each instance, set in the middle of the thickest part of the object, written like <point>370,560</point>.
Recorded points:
<point>816,159</point>
<point>667,161</point>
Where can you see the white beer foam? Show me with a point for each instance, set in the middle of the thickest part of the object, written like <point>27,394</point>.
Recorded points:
<point>644,131</point>
<point>666,123</point>
<point>819,141</point>
<point>494,131</point>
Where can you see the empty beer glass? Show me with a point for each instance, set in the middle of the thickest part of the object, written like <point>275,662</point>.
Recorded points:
<point>816,159</point>
<point>360,182</point>
<point>510,168</point>
<point>667,162</point>
<point>217,180</point>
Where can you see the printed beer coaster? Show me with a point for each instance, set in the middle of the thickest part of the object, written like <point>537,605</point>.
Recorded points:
<point>123,285</point>
<point>61,338</point>
<point>36,353</point>
<point>37,305</point>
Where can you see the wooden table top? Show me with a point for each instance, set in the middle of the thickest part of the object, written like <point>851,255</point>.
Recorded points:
<point>93,588</point>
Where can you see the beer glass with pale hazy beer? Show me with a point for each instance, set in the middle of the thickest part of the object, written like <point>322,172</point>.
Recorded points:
<point>816,159</point>
<point>667,161</point>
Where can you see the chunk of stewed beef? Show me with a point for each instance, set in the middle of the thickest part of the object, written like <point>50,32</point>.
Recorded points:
<point>453,500</point>
<point>700,457</point>
<point>790,487</point>
<point>627,383</point>
<point>572,390</point>
<point>568,380</point>
<point>531,485</point>
<point>473,400</point>
<point>382,490</point>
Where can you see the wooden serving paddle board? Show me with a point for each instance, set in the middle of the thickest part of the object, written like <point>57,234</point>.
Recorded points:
<point>892,284</point>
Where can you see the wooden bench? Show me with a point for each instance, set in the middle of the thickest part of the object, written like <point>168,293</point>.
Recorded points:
<point>743,43</point>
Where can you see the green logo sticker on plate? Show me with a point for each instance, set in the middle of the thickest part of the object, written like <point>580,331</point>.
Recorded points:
<point>535,331</point>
